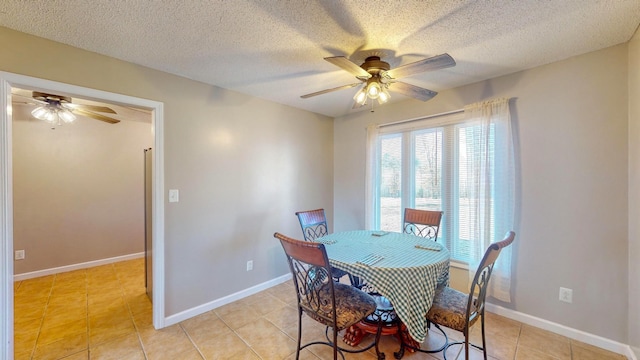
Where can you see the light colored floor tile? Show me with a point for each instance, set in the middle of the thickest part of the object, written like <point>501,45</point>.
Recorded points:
<point>139,303</point>
<point>201,331</point>
<point>104,313</point>
<point>239,316</point>
<point>124,347</point>
<point>173,334</point>
<point>267,340</point>
<point>285,292</point>
<point>22,355</point>
<point>183,350</point>
<point>61,331</point>
<point>264,303</point>
<point>66,346</point>
<point>584,351</point>
<point>304,355</point>
<point>144,319</point>
<point>109,328</point>
<point>24,341</point>
<point>554,345</point>
<point>74,317</point>
<point>226,345</point>
<point>283,317</point>
<point>82,355</point>
<point>527,353</point>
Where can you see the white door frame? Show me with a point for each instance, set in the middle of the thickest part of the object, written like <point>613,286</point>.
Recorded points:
<point>8,80</point>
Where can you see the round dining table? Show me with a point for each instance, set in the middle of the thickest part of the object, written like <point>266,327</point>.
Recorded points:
<point>404,268</point>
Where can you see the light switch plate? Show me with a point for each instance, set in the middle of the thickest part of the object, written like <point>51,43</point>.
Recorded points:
<point>174,195</point>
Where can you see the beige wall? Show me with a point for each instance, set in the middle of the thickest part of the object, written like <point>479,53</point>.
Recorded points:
<point>77,190</point>
<point>571,134</point>
<point>634,194</point>
<point>243,167</point>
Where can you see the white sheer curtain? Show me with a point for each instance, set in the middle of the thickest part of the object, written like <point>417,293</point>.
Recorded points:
<point>490,184</point>
<point>371,171</point>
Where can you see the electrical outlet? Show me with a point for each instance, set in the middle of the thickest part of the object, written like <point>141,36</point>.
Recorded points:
<point>174,195</point>
<point>566,295</point>
<point>19,255</point>
<point>249,265</point>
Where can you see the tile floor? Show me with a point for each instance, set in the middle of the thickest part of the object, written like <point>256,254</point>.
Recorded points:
<point>104,313</point>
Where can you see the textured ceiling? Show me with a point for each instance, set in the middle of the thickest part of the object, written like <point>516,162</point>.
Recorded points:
<point>274,49</point>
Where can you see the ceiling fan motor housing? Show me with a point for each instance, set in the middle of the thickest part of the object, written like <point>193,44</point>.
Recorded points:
<point>52,99</point>
<point>373,65</point>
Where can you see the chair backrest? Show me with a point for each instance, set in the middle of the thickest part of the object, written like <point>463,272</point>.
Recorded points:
<point>311,272</point>
<point>480,283</point>
<point>425,223</point>
<point>313,224</point>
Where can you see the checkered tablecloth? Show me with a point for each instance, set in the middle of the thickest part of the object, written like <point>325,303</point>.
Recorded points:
<point>402,267</point>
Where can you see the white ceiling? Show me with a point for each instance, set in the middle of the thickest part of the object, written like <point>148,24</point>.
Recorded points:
<point>274,49</point>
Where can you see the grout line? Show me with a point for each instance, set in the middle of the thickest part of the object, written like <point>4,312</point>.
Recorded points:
<point>44,313</point>
<point>238,335</point>
<point>135,326</point>
<point>191,340</point>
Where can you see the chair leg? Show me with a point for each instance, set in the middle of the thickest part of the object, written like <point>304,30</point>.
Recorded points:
<point>335,344</point>
<point>466,347</point>
<point>484,343</point>
<point>299,333</point>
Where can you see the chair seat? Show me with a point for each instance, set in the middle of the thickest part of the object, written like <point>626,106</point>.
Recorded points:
<point>352,305</point>
<point>450,309</point>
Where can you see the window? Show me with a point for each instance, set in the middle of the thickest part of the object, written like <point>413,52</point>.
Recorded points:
<point>431,165</point>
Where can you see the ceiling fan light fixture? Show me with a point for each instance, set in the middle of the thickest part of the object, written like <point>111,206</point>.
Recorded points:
<point>384,96</point>
<point>53,114</point>
<point>66,115</point>
<point>376,76</point>
<point>373,88</point>
<point>361,96</point>
<point>44,113</point>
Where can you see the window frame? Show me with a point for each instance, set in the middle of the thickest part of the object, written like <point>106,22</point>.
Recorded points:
<point>449,125</point>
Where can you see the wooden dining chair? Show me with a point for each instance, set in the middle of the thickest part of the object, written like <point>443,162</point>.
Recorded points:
<point>425,223</point>
<point>314,225</point>
<point>459,311</point>
<point>335,305</point>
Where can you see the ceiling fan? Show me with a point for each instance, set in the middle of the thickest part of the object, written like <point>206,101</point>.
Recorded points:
<point>58,110</point>
<point>377,77</point>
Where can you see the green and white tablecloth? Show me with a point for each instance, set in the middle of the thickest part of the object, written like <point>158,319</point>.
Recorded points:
<point>402,267</point>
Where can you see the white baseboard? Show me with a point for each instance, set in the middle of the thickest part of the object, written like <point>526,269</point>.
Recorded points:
<point>61,269</point>
<point>184,315</point>
<point>571,333</point>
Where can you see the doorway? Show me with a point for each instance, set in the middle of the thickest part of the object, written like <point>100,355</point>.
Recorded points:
<point>7,81</point>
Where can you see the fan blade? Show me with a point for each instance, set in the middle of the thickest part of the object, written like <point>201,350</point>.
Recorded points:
<point>432,63</point>
<point>349,66</point>
<point>95,116</point>
<point>102,109</point>
<point>412,91</point>
<point>329,90</point>
<point>29,100</point>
